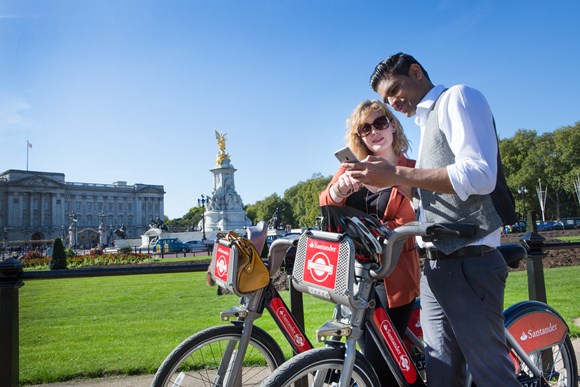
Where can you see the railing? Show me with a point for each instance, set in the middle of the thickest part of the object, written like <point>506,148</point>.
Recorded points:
<point>12,277</point>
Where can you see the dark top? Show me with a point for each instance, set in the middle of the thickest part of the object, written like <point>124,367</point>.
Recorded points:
<point>369,202</point>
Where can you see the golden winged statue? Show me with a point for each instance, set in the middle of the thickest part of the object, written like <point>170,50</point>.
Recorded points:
<point>221,140</point>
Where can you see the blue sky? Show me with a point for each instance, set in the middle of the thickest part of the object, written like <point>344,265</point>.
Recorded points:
<point>109,90</point>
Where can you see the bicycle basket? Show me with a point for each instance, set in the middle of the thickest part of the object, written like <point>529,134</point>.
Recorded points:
<point>324,266</point>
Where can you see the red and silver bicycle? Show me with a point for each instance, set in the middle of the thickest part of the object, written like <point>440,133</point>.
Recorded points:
<point>237,354</point>
<point>325,267</point>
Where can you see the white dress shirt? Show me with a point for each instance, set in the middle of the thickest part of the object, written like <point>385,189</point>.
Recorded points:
<point>466,120</point>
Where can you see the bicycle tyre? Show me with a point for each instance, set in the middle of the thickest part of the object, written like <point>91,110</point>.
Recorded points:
<point>563,371</point>
<point>327,359</point>
<point>194,362</point>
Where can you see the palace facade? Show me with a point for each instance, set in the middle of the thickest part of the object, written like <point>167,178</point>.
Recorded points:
<point>42,205</point>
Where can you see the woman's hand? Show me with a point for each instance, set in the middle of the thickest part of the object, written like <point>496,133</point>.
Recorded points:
<point>343,188</point>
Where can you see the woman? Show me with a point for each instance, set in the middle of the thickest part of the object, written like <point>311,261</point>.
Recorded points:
<point>374,130</point>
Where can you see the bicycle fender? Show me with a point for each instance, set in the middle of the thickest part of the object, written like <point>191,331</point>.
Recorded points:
<point>535,325</point>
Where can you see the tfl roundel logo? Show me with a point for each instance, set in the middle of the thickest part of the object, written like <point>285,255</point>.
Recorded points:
<point>221,266</point>
<point>320,267</point>
<point>221,263</point>
<point>321,261</point>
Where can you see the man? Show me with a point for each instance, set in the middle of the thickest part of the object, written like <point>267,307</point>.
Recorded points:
<point>458,178</point>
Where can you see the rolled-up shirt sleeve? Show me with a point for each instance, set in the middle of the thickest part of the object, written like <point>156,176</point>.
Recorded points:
<point>467,122</point>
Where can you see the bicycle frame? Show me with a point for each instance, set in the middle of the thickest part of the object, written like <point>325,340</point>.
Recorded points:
<point>251,308</point>
<point>524,321</point>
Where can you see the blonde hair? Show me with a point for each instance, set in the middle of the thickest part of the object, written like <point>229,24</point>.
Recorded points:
<point>357,119</point>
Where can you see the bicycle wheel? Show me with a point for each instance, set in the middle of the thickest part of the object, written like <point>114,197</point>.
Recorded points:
<point>195,362</point>
<point>321,367</point>
<point>558,364</point>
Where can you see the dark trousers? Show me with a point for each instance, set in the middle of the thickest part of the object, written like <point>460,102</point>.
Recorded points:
<point>461,315</point>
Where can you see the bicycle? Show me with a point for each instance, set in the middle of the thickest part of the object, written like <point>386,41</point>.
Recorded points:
<point>537,335</point>
<point>239,353</point>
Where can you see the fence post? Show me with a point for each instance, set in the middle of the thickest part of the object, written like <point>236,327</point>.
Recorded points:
<point>10,274</point>
<point>534,244</point>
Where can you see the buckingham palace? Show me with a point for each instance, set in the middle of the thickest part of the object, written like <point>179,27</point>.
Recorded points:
<point>39,206</point>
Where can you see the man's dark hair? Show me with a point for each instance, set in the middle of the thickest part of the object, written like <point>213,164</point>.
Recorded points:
<point>398,64</point>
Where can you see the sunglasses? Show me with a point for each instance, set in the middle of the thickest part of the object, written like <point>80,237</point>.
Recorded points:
<point>381,123</point>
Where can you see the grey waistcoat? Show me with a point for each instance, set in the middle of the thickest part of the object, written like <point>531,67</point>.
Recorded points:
<point>448,208</point>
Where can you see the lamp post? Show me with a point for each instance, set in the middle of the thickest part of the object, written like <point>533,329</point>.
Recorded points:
<point>102,232</point>
<point>5,241</point>
<point>201,202</point>
<point>522,190</point>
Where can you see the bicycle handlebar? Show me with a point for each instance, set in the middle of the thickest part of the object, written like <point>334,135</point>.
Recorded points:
<point>429,231</point>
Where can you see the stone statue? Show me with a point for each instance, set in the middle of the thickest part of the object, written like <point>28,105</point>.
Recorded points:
<point>157,223</point>
<point>275,220</point>
<point>121,232</point>
<point>221,140</point>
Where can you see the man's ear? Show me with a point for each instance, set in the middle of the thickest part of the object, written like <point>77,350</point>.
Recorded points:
<point>415,72</point>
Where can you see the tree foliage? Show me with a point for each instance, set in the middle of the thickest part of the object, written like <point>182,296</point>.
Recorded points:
<point>303,197</point>
<point>298,208</point>
<point>549,160</point>
<point>58,259</point>
<point>265,209</point>
<point>190,219</point>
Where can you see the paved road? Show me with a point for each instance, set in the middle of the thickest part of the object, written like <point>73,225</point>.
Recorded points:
<point>145,380</point>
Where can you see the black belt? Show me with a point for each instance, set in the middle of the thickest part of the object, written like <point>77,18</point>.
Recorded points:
<point>468,251</point>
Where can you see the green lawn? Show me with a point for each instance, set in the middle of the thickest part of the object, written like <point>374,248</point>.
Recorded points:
<point>574,239</point>
<point>91,327</point>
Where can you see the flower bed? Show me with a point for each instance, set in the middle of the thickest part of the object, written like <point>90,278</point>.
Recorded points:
<point>36,261</point>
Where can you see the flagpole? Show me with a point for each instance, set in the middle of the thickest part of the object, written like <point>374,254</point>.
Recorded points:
<point>27,146</point>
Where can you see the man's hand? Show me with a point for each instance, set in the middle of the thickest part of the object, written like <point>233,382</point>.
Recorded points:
<point>373,170</point>
<point>378,172</point>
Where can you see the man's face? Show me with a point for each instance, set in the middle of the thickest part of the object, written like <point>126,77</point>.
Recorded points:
<point>402,92</point>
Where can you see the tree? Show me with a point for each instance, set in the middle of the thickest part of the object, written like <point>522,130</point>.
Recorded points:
<point>264,209</point>
<point>553,158</point>
<point>190,219</point>
<point>58,259</point>
<point>303,197</point>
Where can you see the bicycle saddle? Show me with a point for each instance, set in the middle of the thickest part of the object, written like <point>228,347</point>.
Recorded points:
<point>257,235</point>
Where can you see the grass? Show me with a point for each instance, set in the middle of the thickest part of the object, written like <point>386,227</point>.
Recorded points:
<point>574,239</point>
<point>92,327</point>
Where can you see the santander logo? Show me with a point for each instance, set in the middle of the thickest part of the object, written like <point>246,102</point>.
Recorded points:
<point>530,334</point>
<point>289,326</point>
<point>392,340</point>
<point>321,262</point>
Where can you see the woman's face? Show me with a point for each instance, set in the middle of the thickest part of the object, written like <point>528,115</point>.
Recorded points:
<point>378,141</point>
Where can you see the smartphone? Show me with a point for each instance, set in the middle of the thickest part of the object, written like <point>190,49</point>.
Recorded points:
<point>345,155</point>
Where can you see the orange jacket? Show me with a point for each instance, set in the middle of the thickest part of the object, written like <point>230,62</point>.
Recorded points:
<point>403,284</point>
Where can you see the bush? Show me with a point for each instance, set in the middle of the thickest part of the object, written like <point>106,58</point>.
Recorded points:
<point>58,260</point>
<point>125,250</point>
